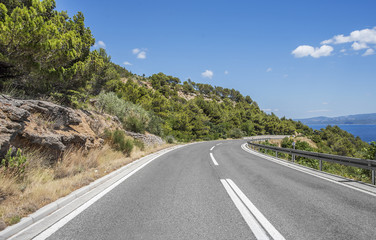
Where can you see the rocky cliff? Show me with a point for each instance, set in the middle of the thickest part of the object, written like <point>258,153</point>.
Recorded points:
<point>54,128</point>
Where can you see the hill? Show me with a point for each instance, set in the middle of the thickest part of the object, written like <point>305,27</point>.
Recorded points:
<point>350,119</point>
<point>77,76</point>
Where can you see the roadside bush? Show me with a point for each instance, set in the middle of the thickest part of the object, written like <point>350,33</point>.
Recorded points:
<point>122,143</point>
<point>119,141</point>
<point>235,133</point>
<point>111,104</point>
<point>133,116</point>
<point>134,124</point>
<point>14,163</point>
<point>170,139</point>
<point>155,125</point>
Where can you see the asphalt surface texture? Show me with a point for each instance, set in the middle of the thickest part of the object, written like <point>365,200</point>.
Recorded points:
<point>180,196</point>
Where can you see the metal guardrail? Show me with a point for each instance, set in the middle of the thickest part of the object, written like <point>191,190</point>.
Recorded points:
<point>348,161</point>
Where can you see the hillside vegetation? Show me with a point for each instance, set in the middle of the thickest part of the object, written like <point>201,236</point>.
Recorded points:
<point>46,54</point>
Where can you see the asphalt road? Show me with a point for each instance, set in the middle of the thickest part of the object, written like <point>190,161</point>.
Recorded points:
<point>184,194</point>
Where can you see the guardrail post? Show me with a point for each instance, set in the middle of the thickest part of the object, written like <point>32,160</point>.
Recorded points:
<point>293,155</point>
<point>320,165</point>
<point>373,174</point>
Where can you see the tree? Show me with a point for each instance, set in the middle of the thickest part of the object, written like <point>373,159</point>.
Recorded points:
<point>42,48</point>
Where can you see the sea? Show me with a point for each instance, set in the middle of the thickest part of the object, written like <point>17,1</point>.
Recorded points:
<point>366,132</point>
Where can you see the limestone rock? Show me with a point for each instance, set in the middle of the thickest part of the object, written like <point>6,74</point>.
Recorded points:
<point>148,139</point>
<point>54,128</point>
<point>34,123</point>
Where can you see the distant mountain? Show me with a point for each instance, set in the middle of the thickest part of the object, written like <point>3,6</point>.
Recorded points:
<point>350,119</point>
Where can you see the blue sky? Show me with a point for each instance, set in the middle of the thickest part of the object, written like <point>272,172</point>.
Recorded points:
<point>296,58</point>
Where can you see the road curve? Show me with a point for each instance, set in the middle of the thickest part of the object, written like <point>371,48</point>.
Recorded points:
<point>216,190</point>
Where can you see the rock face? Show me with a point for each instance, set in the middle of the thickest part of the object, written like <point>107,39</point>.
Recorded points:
<point>54,128</point>
<point>148,139</point>
<point>46,125</point>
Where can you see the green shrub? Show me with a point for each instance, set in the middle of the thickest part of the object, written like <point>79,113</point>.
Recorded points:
<point>134,124</point>
<point>155,125</point>
<point>119,141</point>
<point>14,164</point>
<point>235,133</point>
<point>170,139</point>
<point>133,116</point>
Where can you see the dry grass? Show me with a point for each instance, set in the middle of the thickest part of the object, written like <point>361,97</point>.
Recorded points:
<point>43,183</point>
<point>302,139</point>
<point>276,141</point>
<point>307,140</point>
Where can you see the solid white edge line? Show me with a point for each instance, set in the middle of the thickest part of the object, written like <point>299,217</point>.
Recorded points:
<point>255,227</point>
<point>213,159</point>
<point>56,226</point>
<point>218,144</point>
<point>212,148</point>
<point>307,171</point>
<point>256,213</point>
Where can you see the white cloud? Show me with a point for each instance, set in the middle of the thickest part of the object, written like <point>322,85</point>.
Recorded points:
<point>358,46</point>
<point>329,41</point>
<point>127,63</point>
<point>337,40</point>
<point>141,55</point>
<point>226,72</point>
<point>369,51</point>
<point>323,51</point>
<point>306,50</point>
<point>363,36</point>
<point>207,74</point>
<point>269,69</point>
<point>360,39</point>
<point>135,50</point>
<point>100,44</point>
<point>303,51</point>
<point>325,103</point>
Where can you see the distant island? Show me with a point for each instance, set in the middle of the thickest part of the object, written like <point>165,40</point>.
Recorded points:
<point>350,119</point>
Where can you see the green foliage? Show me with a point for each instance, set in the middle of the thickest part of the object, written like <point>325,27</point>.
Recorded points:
<point>370,152</point>
<point>14,164</point>
<point>133,117</point>
<point>170,139</point>
<point>43,49</point>
<point>334,140</point>
<point>119,141</point>
<point>14,219</point>
<point>155,125</point>
<point>235,133</point>
<point>134,124</point>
